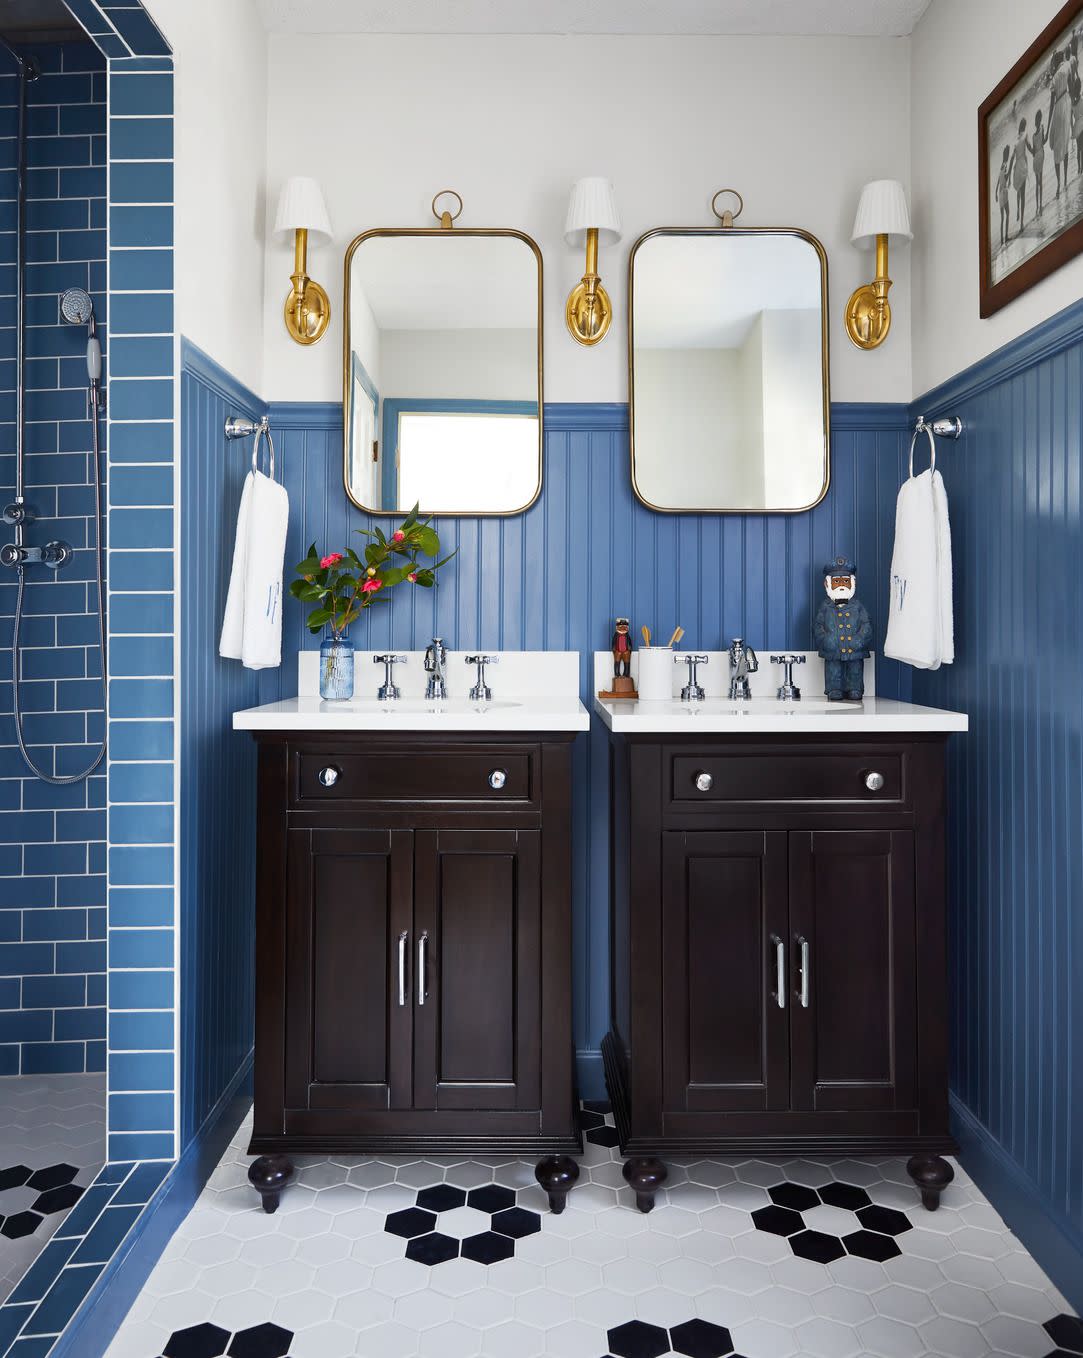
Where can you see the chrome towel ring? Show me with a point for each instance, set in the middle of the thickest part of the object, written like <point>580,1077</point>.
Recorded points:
<point>949,428</point>
<point>237,427</point>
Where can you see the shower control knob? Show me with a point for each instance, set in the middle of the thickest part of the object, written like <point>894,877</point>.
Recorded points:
<point>874,781</point>
<point>704,782</point>
<point>18,512</point>
<point>56,554</point>
<point>328,777</point>
<point>12,555</point>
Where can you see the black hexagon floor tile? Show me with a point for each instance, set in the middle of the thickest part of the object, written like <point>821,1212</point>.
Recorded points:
<point>410,1221</point>
<point>261,1341</point>
<point>1066,1332</point>
<point>57,1199</point>
<point>20,1225</point>
<point>14,1177</point>
<point>638,1339</point>
<point>432,1249</point>
<point>603,1136</point>
<point>871,1245</point>
<point>197,1341</point>
<point>52,1177</point>
<point>488,1247</point>
<point>441,1198</point>
<point>778,1220</point>
<point>491,1198</point>
<point>817,1245</point>
<point>516,1222</point>
<point>701,1339</point>
<point>847,1196</point>
<point>795,1196</point>
<point>886,1220</point>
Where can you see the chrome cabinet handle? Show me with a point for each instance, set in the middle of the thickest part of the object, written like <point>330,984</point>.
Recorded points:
<point>803,974</point>
<point>780,970</point>
<point>402,969</point>
<point>422,964</point>
<point>497,779</point>
<point>874,781</point>
<point>704,781</point>
<point>329,776</point>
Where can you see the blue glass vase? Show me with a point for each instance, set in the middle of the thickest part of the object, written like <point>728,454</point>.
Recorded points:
<point>336,669</point>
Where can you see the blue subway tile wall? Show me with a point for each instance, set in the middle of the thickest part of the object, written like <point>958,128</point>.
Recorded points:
<point>218,774</point>
<point>1016,796</point>
<point>53,888</point>
<point>555,577</point>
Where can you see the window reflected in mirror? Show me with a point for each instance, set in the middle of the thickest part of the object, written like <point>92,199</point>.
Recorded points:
<point>729,370</point>
<point>443,372</point>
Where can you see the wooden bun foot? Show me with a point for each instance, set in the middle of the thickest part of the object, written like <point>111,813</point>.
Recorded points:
<point>557,1174</point>
<point>644,1175</point>
<point>932,1174</point>
<point>269,1175</point>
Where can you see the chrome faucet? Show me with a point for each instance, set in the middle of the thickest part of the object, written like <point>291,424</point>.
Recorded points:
<point>481,692</point>
<point>693,691</point>
<point>436,669</point>
<point>743,662</point>
<point>389,691</point>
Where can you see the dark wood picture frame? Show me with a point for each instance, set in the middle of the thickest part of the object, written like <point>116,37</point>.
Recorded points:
<point>1062,248</point>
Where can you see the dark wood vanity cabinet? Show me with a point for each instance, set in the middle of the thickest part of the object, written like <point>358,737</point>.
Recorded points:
<point>413,943</point>
<point>778,950</point>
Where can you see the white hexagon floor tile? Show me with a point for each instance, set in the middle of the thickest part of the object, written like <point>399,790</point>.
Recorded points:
<point>749,1258</point>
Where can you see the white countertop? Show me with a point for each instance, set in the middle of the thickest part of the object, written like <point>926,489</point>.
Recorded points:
<point>763,716</point>
<point>310,713</point>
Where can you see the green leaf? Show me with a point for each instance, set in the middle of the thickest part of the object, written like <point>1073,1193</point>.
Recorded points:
<point>427,539</point>
<point>446,559</point>
<point>310,593</point>
<point>378,534</point>
<point>372,554</point>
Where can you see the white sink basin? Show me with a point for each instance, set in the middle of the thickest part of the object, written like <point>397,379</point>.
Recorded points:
<point>403,707</point>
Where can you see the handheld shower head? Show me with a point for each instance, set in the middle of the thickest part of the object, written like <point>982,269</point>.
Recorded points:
<point>76,307</point>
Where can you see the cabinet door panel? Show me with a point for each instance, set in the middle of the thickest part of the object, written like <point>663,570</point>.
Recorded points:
<point>348,1039</point>
<point>852,902</point>
<point>477,1033</point>
<point>724,1032</point>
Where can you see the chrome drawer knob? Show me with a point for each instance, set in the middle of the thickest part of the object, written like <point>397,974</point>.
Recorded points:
<point>497,779</point>
<point>328,777</point>
<point>874,781</point>
<point>704,782</point>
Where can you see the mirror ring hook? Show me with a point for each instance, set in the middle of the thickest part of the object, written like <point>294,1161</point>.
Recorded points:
<point>446,218</point>
<point>726,217</point>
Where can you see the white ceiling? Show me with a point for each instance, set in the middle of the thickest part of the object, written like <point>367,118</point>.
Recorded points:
<point>855,18</point>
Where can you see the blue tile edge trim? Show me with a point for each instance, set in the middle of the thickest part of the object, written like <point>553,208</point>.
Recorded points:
<point>198,362</point>
<point>92,1328</point>
<point>1019,1200</point>
<point>559,415</point>
<point>1043,341</point>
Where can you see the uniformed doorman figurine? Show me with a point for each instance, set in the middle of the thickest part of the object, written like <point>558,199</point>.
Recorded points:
<point>622,650</point>
<point>843,633</point>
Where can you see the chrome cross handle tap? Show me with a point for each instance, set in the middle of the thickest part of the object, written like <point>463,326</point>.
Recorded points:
<point>436,669</point>
<point>693,690</point>
<point>388,692</point>
<point>788,691</point>
<point>743,662</point>
<point>481,692</point>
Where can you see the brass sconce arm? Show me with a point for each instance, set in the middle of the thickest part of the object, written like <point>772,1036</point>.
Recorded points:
<point>589,311</point>
<point>868,312</point>
<point>307,311</point>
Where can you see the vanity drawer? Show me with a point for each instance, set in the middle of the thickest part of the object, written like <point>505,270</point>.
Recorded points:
<point>392,776</point>
<point>748,778</point>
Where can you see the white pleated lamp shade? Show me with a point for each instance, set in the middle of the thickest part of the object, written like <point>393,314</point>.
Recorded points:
<point>592,204</point>
<point>882,211</point>
<point>301,207</point>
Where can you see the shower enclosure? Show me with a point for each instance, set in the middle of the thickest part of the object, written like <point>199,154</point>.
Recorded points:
<point>52,626</point>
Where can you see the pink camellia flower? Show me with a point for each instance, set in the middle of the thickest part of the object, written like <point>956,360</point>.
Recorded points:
<point>370,585</point>
<point>412,577</point>
<point>398,536</point>
<point>332,559</point>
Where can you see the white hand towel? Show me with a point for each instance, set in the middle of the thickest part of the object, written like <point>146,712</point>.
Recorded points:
<point>943,557</point>
<point>916,613</point>
<point>252,623</point>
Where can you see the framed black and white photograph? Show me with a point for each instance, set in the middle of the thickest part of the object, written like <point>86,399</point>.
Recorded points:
<point>1030,164</point>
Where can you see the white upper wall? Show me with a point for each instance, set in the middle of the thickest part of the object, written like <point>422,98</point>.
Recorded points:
<point>961,50</point>
<point>511,122</point>
<point>220,94</point>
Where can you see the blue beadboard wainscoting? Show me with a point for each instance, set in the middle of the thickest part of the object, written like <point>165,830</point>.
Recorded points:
<point>52,839</point>
<point>1016,782</point>
<point>555,577</point>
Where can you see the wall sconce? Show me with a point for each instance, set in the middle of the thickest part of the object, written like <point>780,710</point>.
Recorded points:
<point>301,209</point>
<point>592,214</point>
<point>881,212</point>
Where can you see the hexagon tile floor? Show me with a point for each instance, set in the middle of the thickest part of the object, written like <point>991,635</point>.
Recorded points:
<point>451,1259</point>
<point>52,1143</point>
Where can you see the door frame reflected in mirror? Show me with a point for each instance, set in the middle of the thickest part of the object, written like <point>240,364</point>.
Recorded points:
<point>445,233</point>
<point>730,232</point>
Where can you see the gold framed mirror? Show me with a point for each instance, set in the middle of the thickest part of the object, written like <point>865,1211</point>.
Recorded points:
<point>729,401</point>
<point>442,370</point>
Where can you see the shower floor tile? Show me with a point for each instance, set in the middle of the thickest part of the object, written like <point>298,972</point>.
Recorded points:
<point>52,1143</point>
<point>454,1258</point>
